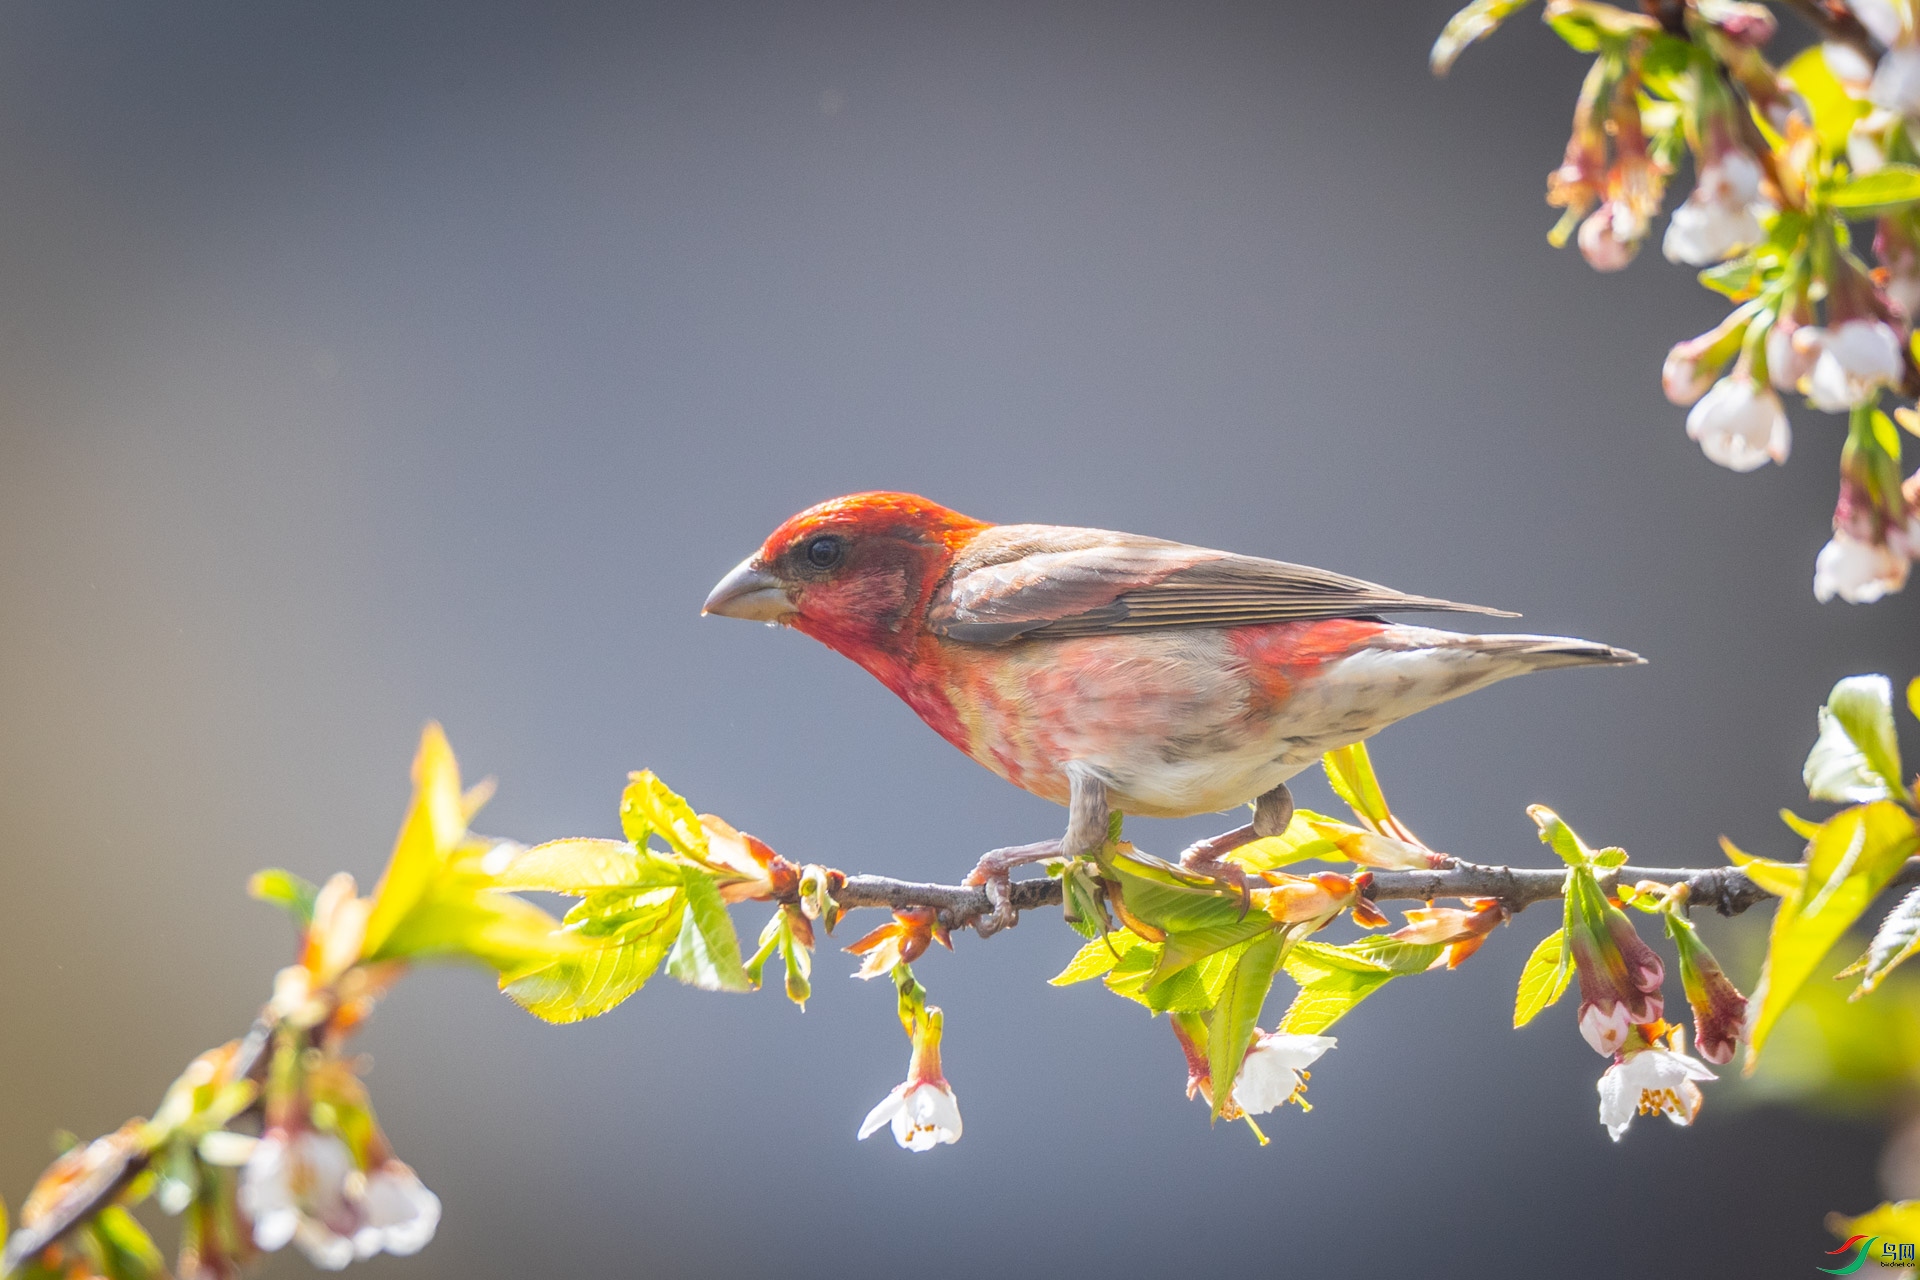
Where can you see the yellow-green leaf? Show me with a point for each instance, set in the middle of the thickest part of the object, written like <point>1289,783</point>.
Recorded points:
<point>1805,828</point>
<point>459,919</point>
<point>707,953</point>
<point>1192,945</point>
<point>1891,184</point>
<point>1231,1026</point>
<point>1475,22</point>
<point>658,809</point>
<point>1350,771</point>
<point>436,821</point>
<point>572,867</point>
<point>1560,837</point>
<point>1896,1220</point>
<point>1834,109</point>
<point>1894,943</point>
<point>1305,837</point>
<point>1334,979</point>
<point>1777,878</point>
<point>291,893</point>
<point>1857,757</point>
<point>1167,897</point>
<point>589,983</point>
<point>1097,957</point>
<point>1544,978</point>
<point>1851,859</point>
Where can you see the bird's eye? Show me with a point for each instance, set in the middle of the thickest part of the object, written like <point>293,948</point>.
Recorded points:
<point>826,552</point>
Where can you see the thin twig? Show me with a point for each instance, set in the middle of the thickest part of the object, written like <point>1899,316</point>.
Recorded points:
<point>1726,889</point>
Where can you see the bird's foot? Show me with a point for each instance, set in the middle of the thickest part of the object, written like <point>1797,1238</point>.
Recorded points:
<point>1272,813</point>
<point>994,872</point>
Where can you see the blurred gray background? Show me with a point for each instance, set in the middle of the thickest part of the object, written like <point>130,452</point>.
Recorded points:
<point>362,363</point>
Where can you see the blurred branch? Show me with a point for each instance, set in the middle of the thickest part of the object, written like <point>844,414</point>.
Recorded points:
<point>1837,24</point>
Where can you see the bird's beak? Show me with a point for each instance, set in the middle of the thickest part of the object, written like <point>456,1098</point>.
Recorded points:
<point>750,592</point>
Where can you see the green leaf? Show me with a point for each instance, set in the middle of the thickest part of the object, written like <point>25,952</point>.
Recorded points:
<point>1834,109</point>
<point>1777,878</point>
<point>458,920</point>
<point>1544,978</point>
<point>1856,852</point>
<point>291,893</point>
<point>1560,837</point>
<point>707,953</point>
<point>1166,897</point>
<point>1192,945</point>
<point>122,1247</point>
<point>648,805</point>
<point>1737,278</point>
<point>614,913</point>
<point>1857,757</point>
<point>588,984</point>
<point>1301,840</point>
<point>1350,771</point>
<point>1477,21</point>
<point>1231,1026</point>
<point>1893,184</point>
<point>1128,976</point>
<point>1894,943</point>
<point>574,867</point>
<point>1333,979</point>
<point>1097,957</point>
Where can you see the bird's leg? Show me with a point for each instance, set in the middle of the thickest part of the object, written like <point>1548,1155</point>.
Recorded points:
<point>1271,814</point>
<point>1086,831</point>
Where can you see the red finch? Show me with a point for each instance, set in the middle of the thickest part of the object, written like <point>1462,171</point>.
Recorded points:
<point>1106,670</point>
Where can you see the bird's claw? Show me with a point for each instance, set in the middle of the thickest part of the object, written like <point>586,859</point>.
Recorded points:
<point>994,873</point>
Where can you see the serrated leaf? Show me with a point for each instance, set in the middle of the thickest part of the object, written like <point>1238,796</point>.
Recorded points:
<point>1892,184</point>
<point>1334,979</point>
<point>459,920</point>
<point>1096,957</point>
<point>1894,943</point>
<point>1475,22</point>
<point>1192,945</point>
<point>1834,109</point>
<point>291,893</point>
<point>1777,878</point>
<point>574,867</point>
<point>1128,976</point>
<point>1857,757</point>
<point>1856,852</point>
<point>1166,897</point>
<point>1543,979</point>
<point>1350,772</point>
<point>615,913</point>
<point>588,984</point>
<point>655,805</point>
<point>707,953</point>
<point>1231,1025</point>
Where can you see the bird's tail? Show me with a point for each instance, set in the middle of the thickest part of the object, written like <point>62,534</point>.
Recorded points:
<point>1543,653</point>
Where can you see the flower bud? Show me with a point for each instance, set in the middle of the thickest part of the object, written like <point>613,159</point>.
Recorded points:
<point>1740,425</point>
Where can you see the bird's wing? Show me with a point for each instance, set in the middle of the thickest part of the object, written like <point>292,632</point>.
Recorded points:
<point>1014,581</point>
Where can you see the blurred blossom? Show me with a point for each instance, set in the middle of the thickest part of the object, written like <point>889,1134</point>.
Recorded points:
<point>1855,359</point>
<point>1857,571</point>
<point>1740,425</point>
<point>1719,217</point>
<point>304,1187</point>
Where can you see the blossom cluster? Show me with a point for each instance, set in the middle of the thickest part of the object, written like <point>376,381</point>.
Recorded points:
<point>1786,161</point>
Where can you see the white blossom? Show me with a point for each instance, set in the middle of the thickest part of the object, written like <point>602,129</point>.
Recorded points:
<point>294,1188</point>
<point>1880,17</point>
<point>1651,1082</point>
<point>1855,360</point>
<point>1739,425</point>
<point>1788,361</point>
<point>304,1188</point>
<point>1719,217</point>
<point>1275,1070</point>
<point>1857,571</point>
<point>1896,81</point>
<point>924,1113</point>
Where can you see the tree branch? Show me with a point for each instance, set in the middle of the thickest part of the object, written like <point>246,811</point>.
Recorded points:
<point>1726,889</point>
<point>1838,25</point>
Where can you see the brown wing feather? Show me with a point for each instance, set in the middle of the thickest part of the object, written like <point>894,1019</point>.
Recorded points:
<point>1020,581</point>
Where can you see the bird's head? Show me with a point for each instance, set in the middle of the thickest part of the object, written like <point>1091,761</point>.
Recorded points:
<point>855,573</point>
